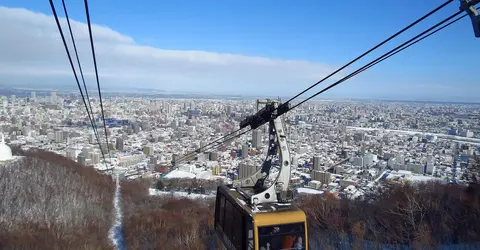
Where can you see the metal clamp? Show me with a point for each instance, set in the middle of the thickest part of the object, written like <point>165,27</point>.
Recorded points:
<point>468,6</point>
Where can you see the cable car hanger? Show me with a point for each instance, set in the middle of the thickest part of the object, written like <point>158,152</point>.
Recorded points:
<point>279,190</point>
<point>468,6</point>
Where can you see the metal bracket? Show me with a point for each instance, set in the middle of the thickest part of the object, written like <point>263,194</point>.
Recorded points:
<point>468,6</point>
<point>279,190</point>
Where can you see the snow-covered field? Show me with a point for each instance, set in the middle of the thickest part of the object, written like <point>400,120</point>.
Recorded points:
<point>309,191</point>
<point>153,191</point>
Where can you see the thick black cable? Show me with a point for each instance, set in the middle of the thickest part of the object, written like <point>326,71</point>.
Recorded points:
<point>208,146</point>
<point>390,53</point>
<point>70,60</point>
<point>212,146</point>
<point>374,48</point>
<point>351,62</point>
<point>94,125</point>
<point>348,77</point>
<point>96,74</point>
<point>420,39</point>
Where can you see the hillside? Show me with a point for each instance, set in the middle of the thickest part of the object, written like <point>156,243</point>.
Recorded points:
<point>428,215</point>
<point>50,202</point>
<point>156,222</point>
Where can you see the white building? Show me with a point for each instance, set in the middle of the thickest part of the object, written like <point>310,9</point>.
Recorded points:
<point>5,151</point>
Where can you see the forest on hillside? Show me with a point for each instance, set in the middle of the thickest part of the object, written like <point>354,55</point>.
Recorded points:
<point>51,202</point>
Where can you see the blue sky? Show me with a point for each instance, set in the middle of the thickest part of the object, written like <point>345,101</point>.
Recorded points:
<point>326,32</point>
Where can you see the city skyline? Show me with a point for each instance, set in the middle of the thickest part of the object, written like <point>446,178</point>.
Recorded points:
<point>125,59</point>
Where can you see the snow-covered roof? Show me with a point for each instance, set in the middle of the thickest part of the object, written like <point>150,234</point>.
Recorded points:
<point>180,174</point>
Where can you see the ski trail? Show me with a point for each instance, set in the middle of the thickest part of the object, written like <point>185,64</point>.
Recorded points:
<point>116,233</point>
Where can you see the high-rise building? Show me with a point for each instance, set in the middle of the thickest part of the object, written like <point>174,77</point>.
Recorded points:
<point>26,131</point>
<point>81,158</point>
<point>206,156</point>
<point>53,96</point>
<point>359,137</point>
<point>368,160</point>
<point>216,170</point>
<point>153,160</point>
<point>103,148</point>
<point>257,139</point>
<point>317,163</point>
<point>148,150</point>
<point>13,98</point>
<point>357,161</point>
<point>338,170</point>
<point>175,157</point>
<point>58,136</point>
<point>245,170</point>
<point>430,166</point>
<point>214,156</point>
<point>71,154</point>
<point>136,128</point>
<point>294,160</point>
<point>119,144</point>
<point>244,151</point>
<point>95,158</point>
<point>321,176</point>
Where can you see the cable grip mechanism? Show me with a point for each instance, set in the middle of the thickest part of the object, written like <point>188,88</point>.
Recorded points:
<point>468,6</point>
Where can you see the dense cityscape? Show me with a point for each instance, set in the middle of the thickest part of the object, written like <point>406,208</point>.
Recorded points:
<point>347,148</point>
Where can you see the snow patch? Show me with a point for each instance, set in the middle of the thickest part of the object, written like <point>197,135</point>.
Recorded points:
<point>309,191</point>
<point>153,191</point>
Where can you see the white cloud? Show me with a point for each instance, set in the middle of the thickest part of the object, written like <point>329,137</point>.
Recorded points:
<point>31,51</point>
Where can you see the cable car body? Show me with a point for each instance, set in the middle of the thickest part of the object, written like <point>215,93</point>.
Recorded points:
<point>256,213</point>
<point>273,226</point>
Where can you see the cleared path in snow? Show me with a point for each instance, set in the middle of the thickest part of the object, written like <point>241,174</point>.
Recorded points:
<point>116,233</point>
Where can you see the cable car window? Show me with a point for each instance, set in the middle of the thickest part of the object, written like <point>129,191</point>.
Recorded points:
<point>228,224</point>
<point>286,236</point>
<point>221,218</point>
<point>249,238</point>
<point>238,229</point>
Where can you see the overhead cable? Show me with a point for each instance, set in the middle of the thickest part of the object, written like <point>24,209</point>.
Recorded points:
<point>414,42</point>
<point>96,75</point>
<point>384,56</point>
<point>94,125</point>
<point>212,144</point>
<point>70,60</point>
<point>373,48</point>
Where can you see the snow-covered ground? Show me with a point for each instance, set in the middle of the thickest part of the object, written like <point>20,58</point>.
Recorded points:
<point>309,191</point>
<point>116,233</point>
<point>422,178</point>
<point>153,191</point>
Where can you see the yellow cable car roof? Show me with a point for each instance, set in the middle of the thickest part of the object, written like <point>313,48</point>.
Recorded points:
<point>279,217</point>
<point>284,214</point>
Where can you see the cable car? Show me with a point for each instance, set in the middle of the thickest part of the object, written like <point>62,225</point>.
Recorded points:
<point>275,226</point>
<point>256,213</point>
